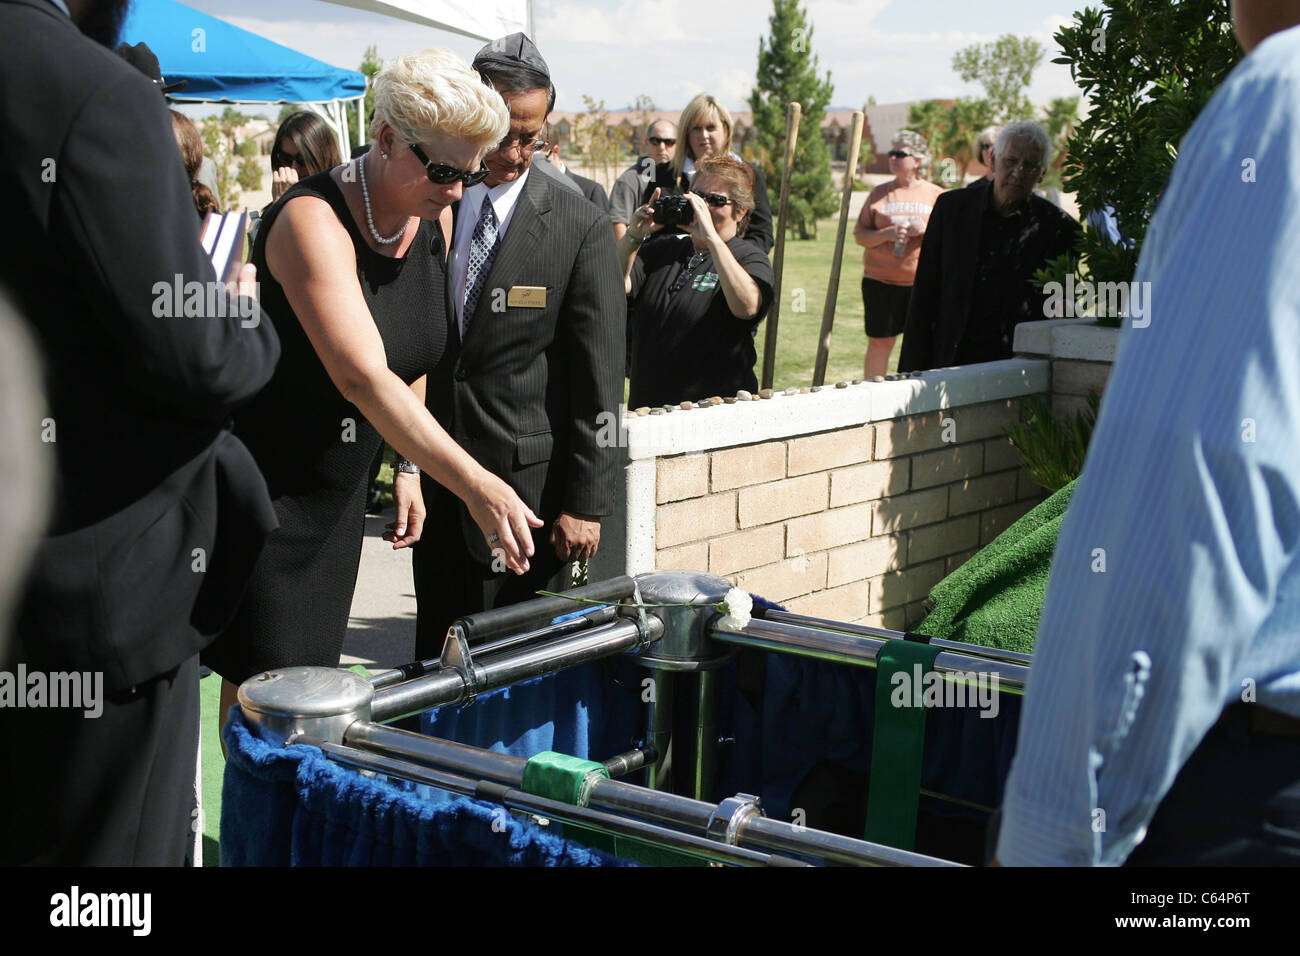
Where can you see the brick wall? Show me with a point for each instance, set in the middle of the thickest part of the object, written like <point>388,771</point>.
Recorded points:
<point>856,523</point>
<point>849,503</point>
<point>1080,352</point>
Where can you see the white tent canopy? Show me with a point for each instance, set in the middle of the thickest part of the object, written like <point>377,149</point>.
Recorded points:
<point>482,19</point>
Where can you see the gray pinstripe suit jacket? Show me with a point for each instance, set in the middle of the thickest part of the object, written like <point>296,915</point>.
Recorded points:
<point>525,392</point>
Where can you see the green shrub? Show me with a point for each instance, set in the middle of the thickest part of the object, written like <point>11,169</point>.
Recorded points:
<point>1053,449</point>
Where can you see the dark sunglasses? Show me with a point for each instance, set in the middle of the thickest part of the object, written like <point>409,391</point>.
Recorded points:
<point>281,159</point>
<point>713,199</point>
<point>899,154</point>
<point>661,141</point>
<point>536,145</point>
<point>443,175</point>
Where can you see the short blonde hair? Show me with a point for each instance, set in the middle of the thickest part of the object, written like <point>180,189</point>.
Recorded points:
<point>435,92</point>
<point>700,109</point>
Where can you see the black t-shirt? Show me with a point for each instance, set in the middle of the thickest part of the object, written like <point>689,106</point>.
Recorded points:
<point>686,345</point>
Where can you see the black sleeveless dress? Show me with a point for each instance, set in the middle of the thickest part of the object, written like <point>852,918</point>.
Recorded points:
<point>315,450</point>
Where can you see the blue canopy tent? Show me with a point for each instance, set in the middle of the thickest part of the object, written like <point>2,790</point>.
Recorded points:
<point>222,63</point>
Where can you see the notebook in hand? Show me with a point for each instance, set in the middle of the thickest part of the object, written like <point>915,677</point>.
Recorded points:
<point>222,237</point>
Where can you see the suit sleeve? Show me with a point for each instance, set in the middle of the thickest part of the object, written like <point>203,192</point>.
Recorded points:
<point>923,308</point>
<point>595,331</point>
<point>760,223</point>
<point>125,220</point>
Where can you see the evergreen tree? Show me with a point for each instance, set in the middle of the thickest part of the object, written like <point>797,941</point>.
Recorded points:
<point>787,71</point>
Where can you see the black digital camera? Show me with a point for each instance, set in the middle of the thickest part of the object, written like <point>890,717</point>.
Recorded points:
<point>673,211</point>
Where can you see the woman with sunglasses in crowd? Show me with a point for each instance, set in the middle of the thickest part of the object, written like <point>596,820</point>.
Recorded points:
<point>304,146</point>
<point>699,297</point>
<point>889,229</point>
<point>705,130</point>
<point>352,269</point>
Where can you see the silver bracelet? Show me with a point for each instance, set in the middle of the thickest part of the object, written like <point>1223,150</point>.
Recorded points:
<point>404,466</point>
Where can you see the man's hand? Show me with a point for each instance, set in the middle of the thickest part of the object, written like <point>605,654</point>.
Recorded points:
<point>575,537</point>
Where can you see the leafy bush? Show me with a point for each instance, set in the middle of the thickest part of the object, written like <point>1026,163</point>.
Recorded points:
<point>1053,449</point>
<point>1146,69</point>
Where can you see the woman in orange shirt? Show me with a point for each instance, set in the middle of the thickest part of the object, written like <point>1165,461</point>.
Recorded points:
<point>889,229</point>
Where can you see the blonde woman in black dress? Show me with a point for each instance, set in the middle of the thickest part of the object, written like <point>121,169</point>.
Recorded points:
<point>352,270</point>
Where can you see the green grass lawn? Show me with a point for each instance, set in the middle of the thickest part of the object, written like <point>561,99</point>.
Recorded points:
<point>808,267</point>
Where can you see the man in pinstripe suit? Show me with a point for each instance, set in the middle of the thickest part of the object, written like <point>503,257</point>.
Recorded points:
<point>537,299</point>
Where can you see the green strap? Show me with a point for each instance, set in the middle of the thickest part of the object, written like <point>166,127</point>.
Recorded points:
<point>560,777</point>
<point>898,743</point>
<point>568,779</point>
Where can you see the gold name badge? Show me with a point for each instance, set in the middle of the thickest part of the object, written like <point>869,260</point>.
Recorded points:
<point>527,297</point>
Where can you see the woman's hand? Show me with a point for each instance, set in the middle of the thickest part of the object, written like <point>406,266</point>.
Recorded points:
<point>643,220</point>
<point>405,530</point>
<point>915,227</point>
<point>504,520</point>
<point>281,180</point>
<point>701,227</point>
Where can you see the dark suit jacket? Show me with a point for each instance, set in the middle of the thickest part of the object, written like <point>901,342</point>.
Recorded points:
<point>940,307</point>
<point>159,511</point>
<point>594,192</point>
<point>531,388</point>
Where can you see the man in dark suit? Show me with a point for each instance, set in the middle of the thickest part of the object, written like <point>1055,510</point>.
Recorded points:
<point>159,512</point>
<point>538,313</point>
<point>982,246</point>
<point>589,188</point>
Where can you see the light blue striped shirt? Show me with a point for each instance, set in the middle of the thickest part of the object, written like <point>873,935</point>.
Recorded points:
<point>1175,587</point>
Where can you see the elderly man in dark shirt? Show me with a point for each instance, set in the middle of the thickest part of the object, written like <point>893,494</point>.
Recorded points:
<point>981,249</point>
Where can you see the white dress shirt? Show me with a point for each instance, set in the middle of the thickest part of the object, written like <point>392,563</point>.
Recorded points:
<point>504,198</point>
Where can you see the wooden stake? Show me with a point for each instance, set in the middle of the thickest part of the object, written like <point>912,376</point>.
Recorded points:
<point>792,113</point>
<point>833,287</point>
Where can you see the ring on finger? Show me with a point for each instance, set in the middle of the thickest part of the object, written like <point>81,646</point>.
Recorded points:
<point>493,538</point>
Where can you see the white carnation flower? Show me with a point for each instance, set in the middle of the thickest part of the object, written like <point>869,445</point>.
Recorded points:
<point>736,607</point>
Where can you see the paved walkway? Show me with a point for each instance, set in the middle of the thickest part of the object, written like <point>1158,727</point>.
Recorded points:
<point>381,629</point>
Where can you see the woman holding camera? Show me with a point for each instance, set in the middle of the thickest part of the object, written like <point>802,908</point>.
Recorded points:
<point>699,297</point>
<point>706,127</point>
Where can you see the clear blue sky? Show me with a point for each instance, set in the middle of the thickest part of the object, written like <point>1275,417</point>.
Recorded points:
<point>614,50</point>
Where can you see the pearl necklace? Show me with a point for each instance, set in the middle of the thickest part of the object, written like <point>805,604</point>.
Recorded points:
<point>370,219</point>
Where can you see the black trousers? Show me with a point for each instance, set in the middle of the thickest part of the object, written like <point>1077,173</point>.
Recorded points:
<point>450,584</point>
<point>1236,802</point>
<point>115,790</point>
